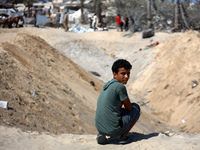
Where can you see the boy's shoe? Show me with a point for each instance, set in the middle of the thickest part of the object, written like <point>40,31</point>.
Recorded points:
<point>101,139</point>
<point>126,141</point>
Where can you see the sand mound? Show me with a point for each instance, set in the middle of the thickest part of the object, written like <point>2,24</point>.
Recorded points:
<point>171,82</point>
<point>28,64</point>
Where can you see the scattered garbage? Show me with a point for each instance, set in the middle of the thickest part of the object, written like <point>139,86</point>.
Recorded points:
<point>166,86</point>
<point>178,92</point>
<point>147,48</point>
<point>147,33</point>
<point>195,84</point>
<point>80,29</point>
<point>34,92</point>
<point>4,104</point>
<point>169,133</point>
<point>95,73</point>
<point>183,121</point>
<point>112,54</point>
<point>151,45</point>
<point>92,83</point>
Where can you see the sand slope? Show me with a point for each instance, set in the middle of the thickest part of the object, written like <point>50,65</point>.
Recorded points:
<point>59,106</point>
<point>171,82</point>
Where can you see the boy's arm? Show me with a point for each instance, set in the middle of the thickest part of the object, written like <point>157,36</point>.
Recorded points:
<point>127,104</point>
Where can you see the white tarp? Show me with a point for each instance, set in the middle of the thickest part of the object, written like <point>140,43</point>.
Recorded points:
<point>76,16</point>
<point>8,11</point>
<point>4,104</point>
<point>80,29</point>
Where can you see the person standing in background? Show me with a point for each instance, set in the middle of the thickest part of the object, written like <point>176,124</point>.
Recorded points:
<point>90,21</point>
<point>94,22</point>
<point>126,27</point>
<point>119,23</point>
<point>49,11</point>
<point>65,23</point>
<point>35,18</point>
<point>57,19</point>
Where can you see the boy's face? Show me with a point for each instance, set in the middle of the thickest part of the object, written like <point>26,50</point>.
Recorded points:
<point>122,75</point>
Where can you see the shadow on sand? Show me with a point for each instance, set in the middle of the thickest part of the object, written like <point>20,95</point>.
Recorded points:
<point>133,137</point>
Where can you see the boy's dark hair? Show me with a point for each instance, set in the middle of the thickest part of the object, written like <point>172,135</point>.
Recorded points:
<point>121,63</point>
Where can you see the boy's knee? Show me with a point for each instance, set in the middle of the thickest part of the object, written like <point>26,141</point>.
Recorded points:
<point>136,110</point>
<point>136,106</point>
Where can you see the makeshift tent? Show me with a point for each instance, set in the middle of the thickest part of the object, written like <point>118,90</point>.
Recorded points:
<point>18,14</point>
<point>42,20</point>
<point>30,21</point>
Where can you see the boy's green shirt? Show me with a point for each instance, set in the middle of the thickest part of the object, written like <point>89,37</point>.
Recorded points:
<point>109,103</point>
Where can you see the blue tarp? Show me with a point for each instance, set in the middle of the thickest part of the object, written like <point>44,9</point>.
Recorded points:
<point>42,20</point>
<point>30,21</point>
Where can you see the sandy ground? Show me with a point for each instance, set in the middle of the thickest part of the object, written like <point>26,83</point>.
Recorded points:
<point>16,139</point>
<point>64,105</point>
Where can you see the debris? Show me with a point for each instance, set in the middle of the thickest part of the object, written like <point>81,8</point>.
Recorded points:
<point>166,86</point>
<point>183,121</point>
<point>95,73</point>
<point>178,93</point>
<point>147,48</point>
<point>80,29</point>
<point>195,84</point>
<point>34,92</point>
<point>4,104</point>
<point>92,83</point>
<point>100,29</point>
<point>112,54</point>
<point>169,133</point>
<point>105,29</point>
<point>189,94</point>
<point>147,33</point>
<point>153,44</point>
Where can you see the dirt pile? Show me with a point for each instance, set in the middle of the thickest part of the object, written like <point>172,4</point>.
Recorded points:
<point>29,64</point>
<point>171,83</point>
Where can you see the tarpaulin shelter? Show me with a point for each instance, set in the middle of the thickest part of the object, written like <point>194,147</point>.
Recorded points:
<point>30,21</point>
<point>18,14</point>
<point>42,20</point>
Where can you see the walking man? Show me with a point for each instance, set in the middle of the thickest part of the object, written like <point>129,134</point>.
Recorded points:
<point>95,22</point>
